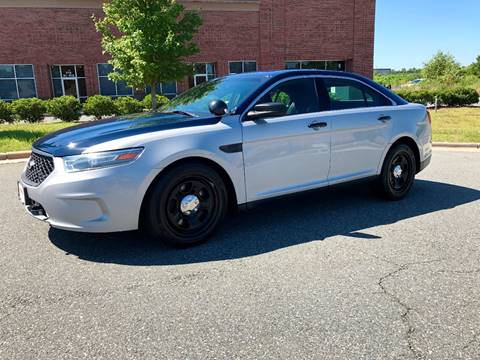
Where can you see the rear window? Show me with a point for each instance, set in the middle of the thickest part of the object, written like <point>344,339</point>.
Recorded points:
<point>350,94</point>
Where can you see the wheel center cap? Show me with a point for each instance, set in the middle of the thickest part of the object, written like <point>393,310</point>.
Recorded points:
<point>189,204</point>
<point>397,171</point>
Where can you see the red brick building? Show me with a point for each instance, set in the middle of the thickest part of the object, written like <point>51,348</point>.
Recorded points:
<point>50,47</point>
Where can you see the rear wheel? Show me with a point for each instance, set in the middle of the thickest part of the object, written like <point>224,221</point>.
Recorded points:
<point>186,205</point>
<point>398,172</point>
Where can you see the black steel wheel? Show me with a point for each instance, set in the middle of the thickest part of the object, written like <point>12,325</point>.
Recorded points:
<point>398,172</point>
<point>186,205</point>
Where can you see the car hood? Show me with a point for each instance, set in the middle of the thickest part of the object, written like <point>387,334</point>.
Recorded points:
<point>75,140</point>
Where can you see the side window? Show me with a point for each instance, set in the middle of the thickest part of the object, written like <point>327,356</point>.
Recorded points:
<point>349,94</point>
<point>299,96</point>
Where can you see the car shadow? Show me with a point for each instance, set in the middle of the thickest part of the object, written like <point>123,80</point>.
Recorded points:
<point>314,216</point>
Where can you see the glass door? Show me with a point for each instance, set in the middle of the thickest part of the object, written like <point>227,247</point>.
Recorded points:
<point>69,80</point>
<point>70,88</point>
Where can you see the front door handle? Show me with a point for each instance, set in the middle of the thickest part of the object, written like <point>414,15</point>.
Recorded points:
<point>317,125</point>
<point>384,118</point>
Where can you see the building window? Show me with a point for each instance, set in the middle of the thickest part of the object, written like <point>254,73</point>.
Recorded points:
<point>317,65</point>
<point>69,80</point>
<point>202,72</point>
<point>167,89</point>
<point>238,67</point>
<point>17,81</point>
<point>111,88</point>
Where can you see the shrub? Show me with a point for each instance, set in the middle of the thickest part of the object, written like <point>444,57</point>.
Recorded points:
<point>458,97</point>
<point>30,110</point>
<point>99,106</point>
<point>127,105</point>
<point>418,96</point>
<point>6,114</point>
<point>447,97</point>
<point>66,108</point>
<point>161,101</point>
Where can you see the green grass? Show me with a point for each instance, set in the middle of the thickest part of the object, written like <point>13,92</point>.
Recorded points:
<point>16,137</point>
<point>456,125</point>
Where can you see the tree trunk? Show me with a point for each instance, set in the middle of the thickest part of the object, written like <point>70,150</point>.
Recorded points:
<point>154,97</point>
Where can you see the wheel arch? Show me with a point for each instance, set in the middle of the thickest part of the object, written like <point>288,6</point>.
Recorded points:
<point>232,195</point>
<point>411,143</point>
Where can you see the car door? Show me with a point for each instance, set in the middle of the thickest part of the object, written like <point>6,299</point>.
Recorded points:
<point>289,153</point>
<point>361,126</point>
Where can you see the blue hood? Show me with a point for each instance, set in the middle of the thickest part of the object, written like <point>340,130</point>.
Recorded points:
<point>74,140</point>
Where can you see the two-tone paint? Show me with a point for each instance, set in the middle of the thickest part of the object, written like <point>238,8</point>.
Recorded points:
<point>258,159</point>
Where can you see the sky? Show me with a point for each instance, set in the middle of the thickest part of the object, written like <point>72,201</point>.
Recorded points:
<point>410,32</point>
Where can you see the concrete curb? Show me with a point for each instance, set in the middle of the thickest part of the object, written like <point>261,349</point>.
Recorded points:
<point>457,145</point>
<point>14,155</point>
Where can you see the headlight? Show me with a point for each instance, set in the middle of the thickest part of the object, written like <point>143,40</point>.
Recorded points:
<point>100,159</point>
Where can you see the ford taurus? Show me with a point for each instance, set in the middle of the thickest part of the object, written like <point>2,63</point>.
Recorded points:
<point>229,142</point>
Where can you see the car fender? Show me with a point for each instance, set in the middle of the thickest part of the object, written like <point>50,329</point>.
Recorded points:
<point>393,141</point>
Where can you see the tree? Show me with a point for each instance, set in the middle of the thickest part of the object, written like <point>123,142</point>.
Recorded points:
<point>442,66</point>
<point>148,41</point>
<point>474,68</point>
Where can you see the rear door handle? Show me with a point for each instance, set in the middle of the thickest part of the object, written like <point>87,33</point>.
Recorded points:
<point>317,125</point>
<point>384,118</point>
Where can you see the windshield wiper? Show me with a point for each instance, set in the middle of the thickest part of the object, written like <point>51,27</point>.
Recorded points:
<point>180,112</point>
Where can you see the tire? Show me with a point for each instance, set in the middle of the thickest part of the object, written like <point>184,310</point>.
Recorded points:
<point>186,205</point>
<point>398,172</point>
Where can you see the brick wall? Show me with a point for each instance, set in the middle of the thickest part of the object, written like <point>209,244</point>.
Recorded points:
<point>281,30</point>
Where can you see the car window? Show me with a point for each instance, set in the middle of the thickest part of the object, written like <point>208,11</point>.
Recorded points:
<point>350,94</point>
<point>299,96</point>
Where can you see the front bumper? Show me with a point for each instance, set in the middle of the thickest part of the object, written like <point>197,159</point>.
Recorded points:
<point>101,200</point>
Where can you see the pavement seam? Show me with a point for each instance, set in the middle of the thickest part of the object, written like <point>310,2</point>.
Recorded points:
<point>407,309</point>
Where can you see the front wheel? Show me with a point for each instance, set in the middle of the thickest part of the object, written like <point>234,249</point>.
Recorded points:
<point>398,172</point>
<point>186,205</point>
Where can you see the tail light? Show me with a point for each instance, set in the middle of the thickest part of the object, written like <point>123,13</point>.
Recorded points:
<point>429,117</point>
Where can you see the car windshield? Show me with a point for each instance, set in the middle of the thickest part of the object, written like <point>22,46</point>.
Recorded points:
<point>233,90</point>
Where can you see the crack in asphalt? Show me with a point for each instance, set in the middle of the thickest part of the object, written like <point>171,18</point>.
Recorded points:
<point>407,309</point>
<point>470,342</point>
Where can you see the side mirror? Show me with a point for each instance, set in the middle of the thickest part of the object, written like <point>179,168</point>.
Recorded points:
<point>267,110</point>
<point>218,107</point>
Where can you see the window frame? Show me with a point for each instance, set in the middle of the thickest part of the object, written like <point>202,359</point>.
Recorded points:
<point>209,77</point>
<point>243,66</point>
<point>61,78</point>
<point>324,61</point>
<point>15,78</point>
<point>244,115</point>
<point>115,82</point>
<point>162,92</point>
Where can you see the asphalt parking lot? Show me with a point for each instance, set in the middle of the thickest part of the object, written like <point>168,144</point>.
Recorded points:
<point>335,274</point>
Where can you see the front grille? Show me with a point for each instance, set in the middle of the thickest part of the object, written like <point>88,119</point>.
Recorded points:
<point>38,168</point>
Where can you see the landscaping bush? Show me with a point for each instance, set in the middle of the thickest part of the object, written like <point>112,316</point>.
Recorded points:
<point>418,96</point>
<point>127,105</point>
<point>30,110</point>
<point>6,114</point>
<point>66,108</point>
<point>458,97</point>
<point>161,101</point>
<point>447,97</point>
<point>99,106</point>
